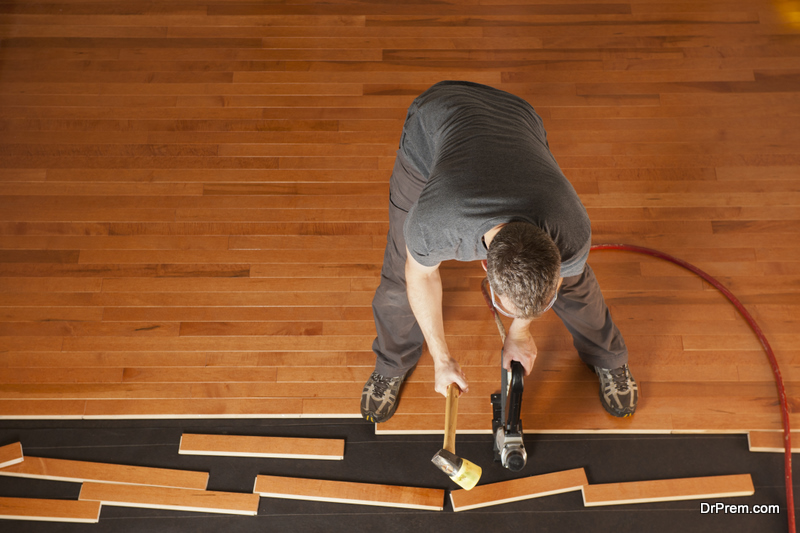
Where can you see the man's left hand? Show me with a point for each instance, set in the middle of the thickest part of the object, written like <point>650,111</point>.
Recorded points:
<point>519,346</point>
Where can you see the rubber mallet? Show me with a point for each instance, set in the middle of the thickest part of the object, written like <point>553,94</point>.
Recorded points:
<point>465,473</point>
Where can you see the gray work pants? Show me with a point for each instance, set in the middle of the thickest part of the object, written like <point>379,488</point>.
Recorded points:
<point>398,345</point>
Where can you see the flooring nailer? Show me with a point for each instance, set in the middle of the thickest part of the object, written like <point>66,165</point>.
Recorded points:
<point>509,448</point>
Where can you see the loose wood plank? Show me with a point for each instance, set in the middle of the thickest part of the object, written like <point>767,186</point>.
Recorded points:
<point>49,510</point>
<point>667,490</point>
<point>265,447</point>
<point>518,489</point>
<point>11,455</point>
<point>771,441</point>
<point>200,501</point>
<point>349,492</point>
<point>82,471</point>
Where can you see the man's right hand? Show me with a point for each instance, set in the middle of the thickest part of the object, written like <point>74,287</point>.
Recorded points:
<point>449,371</point>
<point>424,286</point>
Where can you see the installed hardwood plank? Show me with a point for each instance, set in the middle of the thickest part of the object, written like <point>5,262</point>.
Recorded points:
<point>82,471</point>
<point>771,441</point>
<point>63,375</point>
<point>232,314</point>
<point>176,137</point>
<point>49,510</point>
<point>518,489</point>
<point>64,409</point>
<point>667,490</point>
<point>325,391</point>
<point>199,375</point>
<point>93,392</point>
<point>102,359</point>
<point>349,492</point>
<point>211,344</point>
<point>730,423</point>
<point>265,447</point>
<point>194,408</point>
<point>10,455</point>
<point>200,501</point>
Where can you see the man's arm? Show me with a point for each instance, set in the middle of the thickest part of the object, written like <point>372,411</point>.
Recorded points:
<point>519,345</point>
<point>424,287</point>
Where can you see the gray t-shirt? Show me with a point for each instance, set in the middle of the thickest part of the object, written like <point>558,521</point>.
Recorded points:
<point>485,156</point>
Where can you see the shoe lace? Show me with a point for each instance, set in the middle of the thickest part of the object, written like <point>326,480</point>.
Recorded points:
<point>380,384</point>
<point>620,378</point>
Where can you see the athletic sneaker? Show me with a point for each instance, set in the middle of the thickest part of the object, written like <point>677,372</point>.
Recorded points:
<point>619,392</point>
<point>379,398</point>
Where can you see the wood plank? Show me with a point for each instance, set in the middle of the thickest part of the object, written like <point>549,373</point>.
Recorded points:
<point>585,423</point>
<point>264,447</point>
<point>60,408</point>
<point>49,510</point>
<point>200,501</point>
<point>771,441</point>
<point>518,489</point>
<point>94,392</point>
<point>349,492</point>
<point>10,455</point>
<point>154,165</point>
<point>83,471</point>
<point>667,490</point>
<point>194,408</point>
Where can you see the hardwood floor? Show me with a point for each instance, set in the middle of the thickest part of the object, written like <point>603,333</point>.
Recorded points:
<point>193,204</point>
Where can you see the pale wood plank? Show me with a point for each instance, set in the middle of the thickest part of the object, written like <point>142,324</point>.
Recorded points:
<point>49,510</point>
<point>668,490</point>
<point>174,499</point>
<point>83,471</point>
<point>349,492</point>
<point>518,489</point>
<point>771,441</point>
<point>10,455</point>
<point>265,447</point>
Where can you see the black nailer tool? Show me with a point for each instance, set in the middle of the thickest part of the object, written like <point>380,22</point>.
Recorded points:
<point>509,449</point>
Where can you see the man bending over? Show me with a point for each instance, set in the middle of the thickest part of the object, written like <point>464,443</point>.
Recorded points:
<point>474,180</point>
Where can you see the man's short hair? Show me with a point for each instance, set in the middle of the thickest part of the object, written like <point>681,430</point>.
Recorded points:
<point>524,264</point>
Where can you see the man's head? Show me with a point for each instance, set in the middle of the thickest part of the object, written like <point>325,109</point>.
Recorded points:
<point>524,264</point>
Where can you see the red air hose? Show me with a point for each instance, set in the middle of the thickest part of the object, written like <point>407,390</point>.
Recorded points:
<point>787,437</point>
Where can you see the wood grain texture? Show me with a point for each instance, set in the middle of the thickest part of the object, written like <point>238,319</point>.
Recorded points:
<point>518,489</point>
<point>771,441</point>
<point>49,510</point>
<point>83,471</point>
<point>200,501</point>
<point>194,204</point>
<point>668,490</point>
<point>349,492</point>
<point>264,447</point>
<point>10,455</point>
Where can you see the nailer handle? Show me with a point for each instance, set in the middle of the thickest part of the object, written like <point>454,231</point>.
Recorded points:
<point>450,415</point>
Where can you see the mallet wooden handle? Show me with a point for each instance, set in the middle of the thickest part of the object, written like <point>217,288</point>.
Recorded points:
<point>450,415</point>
